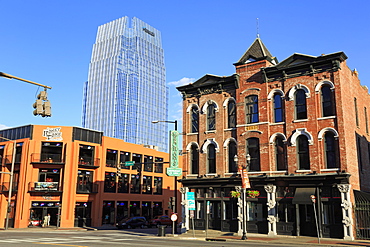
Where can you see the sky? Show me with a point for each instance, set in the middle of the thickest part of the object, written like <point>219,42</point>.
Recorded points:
<point>50,42</point>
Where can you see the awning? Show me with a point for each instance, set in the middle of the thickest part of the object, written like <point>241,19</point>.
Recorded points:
<point>303,195</point>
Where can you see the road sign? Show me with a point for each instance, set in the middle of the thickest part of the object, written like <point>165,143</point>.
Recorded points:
<point>129,163</point>
<point>174,172</point>
<point>191,200</point>
<point>173,217</point>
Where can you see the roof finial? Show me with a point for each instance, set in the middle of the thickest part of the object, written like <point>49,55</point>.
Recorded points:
<point>258,35</point>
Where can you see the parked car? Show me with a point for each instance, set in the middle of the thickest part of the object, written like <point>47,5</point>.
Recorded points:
<point>161,220</point>
<point>132,222</point>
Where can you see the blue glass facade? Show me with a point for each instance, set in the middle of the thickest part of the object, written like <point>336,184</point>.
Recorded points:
<point>126,88</point>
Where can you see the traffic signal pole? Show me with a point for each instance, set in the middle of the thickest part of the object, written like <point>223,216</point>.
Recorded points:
<point>2,74</point>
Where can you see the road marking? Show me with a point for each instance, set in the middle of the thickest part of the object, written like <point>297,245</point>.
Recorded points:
<point>61,244</point>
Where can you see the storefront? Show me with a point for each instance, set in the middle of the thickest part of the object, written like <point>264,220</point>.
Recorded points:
<point>40,210</point>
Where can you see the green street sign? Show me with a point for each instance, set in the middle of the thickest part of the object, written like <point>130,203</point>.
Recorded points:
<point>129,163</point>
<point>174,149</point>
<point>174,172</point>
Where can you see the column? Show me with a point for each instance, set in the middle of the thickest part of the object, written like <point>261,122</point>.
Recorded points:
<point>346,211</point>
<point>271,207</point>
<point>185,211</point>
<point>240,211</point>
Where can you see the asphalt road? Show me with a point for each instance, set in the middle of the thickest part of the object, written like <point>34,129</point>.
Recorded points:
<point>102,238</point>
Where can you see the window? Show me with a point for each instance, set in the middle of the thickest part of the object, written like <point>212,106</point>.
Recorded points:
<point>232,153</point>
<point>194,159</point>
<point>327,101</point>
<point>278,108</point>
<point>84,181</point>
<point>158,166</point>
<point>300,104</point>
<point>51,152</point>
<point>111,159</point>
<point>148,163</point>
<point>194,119</point>
<point>356,112</point>
<point>86,155</point>
<point>253,148</point>
<point>157,189</point>
<point>211,117</point>
<point>251,109</point>
<point>211,152</point>
<point>137,159</point>
<point>123,183</point>
<point>303,154</point>
<point>330,150</point>
<point>280,154</point>
<point>147,184</point>
<point>123,157</point>
<point>366,122</point>
<point>110,182</point>
<point>135,184</point>
<point>231,113</point>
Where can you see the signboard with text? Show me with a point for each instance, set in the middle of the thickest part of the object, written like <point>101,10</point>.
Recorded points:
<point>174,148</point>
<point>191,200</point>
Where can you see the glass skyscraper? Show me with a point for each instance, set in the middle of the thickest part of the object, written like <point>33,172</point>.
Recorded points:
<point>126,88</point>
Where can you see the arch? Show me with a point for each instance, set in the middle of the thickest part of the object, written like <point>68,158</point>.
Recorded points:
<point>227,101</point>
<point>209,141</point>
<point>327,129</point>
<point>295,88</point>
<point>228,140</point>
<point>190,107</point>
<point>273,137</point>
<point>275,91</point>
<point>249,131</point>
<point>205,106</point>
<point>188,147</point>
<point>298,132</point>
<point>321,83</point>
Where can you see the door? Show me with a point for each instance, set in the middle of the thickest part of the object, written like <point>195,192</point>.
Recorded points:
<point>214,217</point>
<point>307,220</point>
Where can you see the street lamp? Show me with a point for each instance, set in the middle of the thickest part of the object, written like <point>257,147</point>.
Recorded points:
<point>8,208</point>
<point>175,180</point>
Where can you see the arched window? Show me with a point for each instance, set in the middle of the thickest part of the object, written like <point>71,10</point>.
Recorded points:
<point>280,154</point>
<point>231,113</point>
<point>232,153</point>
<point>251,109</point>
<point>327,101</point>
<point>300,104</point>
<point>211,152</point>
<point>278,108</point>
<point>194,119</point>
<point>211,117</point>
<point>330,150</point>
<point>303,153</point>
<point>194,159</point>
<point>253,149</point>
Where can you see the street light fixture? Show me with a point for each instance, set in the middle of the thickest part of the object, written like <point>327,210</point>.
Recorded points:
<point>175,180</point>
<point>11,173</point>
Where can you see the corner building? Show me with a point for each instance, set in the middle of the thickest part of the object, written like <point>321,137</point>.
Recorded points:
<point>79,177</point>
<point>304,124</point>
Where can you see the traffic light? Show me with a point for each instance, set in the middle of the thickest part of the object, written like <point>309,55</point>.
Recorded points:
<point>138,170</point>
<point>171,202</point>
<point>42,105</point>
<point>119,170</point>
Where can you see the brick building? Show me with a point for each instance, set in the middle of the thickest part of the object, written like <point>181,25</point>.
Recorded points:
<point>302,122</point>
<point>79,177</point>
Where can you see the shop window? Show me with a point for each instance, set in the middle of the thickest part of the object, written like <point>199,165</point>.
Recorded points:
<point>48,179</point>
<point>231,114</point>
<point>135,184</point>
<point>111,158</point>
<point>253,147</point>
<point>137,159</point>
<point>194,159</point>
<point>278,108</point>
<point>330,150</point>
<point>232,152</point>
<point>122,210</point>
<point>110,182</point>
<point>280,154</point>
<point>303,154</point>
<point>148,163</point>
<point>286,212</point>
<point>83,214</point>
<point>300,104</point>
<point>251,109</point>
<point>327,101</point>
<point>108,216</point>
<point>123,183</point>
<point>211,158</point>
<point>194,119</point>
<point>211,117</point>
<point>256,211</point>
<point>135,208</point>
<point>147,184</point>
<point>157,209</point>
<point>86,155</point>
<point>157,188</point>
<point>158,165</point>
<point>123,157</point>
<point>85,181</point>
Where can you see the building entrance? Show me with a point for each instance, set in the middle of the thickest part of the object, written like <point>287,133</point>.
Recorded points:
<point>44,214</point>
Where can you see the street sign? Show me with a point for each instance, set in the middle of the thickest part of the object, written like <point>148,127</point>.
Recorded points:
<point>173,217</point>
<point>191,200</point>
<point>174,172</point>
<point>129,163</point>
<point>174,148</point>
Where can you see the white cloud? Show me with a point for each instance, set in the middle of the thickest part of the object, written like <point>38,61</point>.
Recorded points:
<point>2,126</point>
<point>183,81</point>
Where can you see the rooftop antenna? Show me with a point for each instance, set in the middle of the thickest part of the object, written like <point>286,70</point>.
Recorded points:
<point>258,35</point>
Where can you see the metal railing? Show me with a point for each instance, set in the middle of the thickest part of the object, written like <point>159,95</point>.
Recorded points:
<point>44,186</point>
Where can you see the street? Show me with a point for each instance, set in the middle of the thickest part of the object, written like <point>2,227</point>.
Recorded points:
<point>137,237</point>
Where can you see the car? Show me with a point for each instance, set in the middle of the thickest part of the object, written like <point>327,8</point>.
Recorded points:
<point>133,222</point>
<point>161,220</point>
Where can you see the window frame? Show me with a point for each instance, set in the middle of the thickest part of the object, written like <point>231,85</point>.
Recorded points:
<point>277,108</point>
<point>211,159</point>
<point>231,114</point>
<point>327,106</point>
<point>253,149</point>
<point>211,116</point>
<point>300,104</point>
<point>303,155</point>
<point>251,109</point>
<point>194,119</point>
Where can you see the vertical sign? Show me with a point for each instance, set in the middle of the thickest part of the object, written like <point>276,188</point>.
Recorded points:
<point>245,179</point>
<point>174,148</point>
<point>191,200</point>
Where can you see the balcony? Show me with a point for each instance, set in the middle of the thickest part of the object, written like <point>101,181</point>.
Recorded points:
<point>47,158</point>
<point>88,188</point>
<point>4,187</point>
<point>44,187</point>
<point>88,162</point>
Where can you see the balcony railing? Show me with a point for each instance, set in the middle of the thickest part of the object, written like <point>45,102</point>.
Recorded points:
<point>46,158</point>
<point>44,187</point>
<point>88,162</point>
<point>87,188</point>
<point>5,186</point>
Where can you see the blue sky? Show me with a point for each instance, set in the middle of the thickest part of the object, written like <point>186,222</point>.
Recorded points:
<point>50,42</point>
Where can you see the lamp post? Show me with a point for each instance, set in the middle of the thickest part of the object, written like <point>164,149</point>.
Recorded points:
<point>175,180</point>
<point>9,207</point>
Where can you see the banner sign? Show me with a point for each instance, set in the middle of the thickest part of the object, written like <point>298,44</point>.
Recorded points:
<point>245,179</point>
<point>174,148</point>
